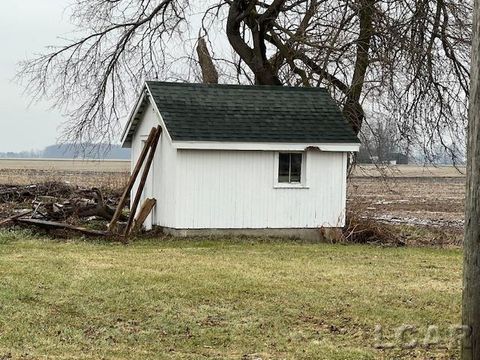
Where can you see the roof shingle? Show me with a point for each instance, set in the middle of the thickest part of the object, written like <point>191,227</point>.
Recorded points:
<point>237,113</point>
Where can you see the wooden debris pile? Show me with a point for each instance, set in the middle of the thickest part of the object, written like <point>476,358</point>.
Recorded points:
<point>56,205</point>
<point>10,193</point>
<point>51,203</point>
<point>91,203</point>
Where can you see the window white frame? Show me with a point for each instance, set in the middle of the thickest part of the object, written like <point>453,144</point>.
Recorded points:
<point>303,175</point>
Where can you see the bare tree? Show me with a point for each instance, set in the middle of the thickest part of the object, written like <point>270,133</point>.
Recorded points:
<point>381,143</point>
<point>408,58</point>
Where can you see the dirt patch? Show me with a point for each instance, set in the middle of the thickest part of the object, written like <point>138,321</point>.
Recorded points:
<point>437,199</point>
<point>419,203</point>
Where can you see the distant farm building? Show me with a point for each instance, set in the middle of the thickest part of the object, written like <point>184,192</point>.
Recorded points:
<point>243,159</point>
<point>393,158</point>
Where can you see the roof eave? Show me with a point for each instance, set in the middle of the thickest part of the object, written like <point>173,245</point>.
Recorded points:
<point>266,146</point>
<point>126,134</point>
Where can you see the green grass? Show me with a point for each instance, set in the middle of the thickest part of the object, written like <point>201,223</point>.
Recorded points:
<point>223,299</point>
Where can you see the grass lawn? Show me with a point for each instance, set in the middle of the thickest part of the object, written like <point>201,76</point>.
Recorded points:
<point>223,299</point>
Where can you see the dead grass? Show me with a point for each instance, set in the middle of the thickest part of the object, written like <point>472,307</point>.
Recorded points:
<point>105,180</point>
<point>361,228</point>
<point>72,165</point>
<point>239,298</point>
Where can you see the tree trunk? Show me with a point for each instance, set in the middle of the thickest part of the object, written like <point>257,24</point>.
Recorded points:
<point>353,112</point>
<point>471,273</point>
<point>209,72</point>
<point>255,57</point>
<point>352,109</point>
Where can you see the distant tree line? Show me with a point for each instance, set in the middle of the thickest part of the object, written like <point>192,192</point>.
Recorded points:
<point>70,151</point>
<point>385,143</point>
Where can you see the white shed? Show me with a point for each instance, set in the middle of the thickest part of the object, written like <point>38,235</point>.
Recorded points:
<point>244,159</point>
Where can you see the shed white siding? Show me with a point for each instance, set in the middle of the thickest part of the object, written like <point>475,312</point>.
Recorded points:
<point>236,190</point>
<point>231,189</point>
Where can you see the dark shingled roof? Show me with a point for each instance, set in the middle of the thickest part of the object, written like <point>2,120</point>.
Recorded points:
<point>237,113</point>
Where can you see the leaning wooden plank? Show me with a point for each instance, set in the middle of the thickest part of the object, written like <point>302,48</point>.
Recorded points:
<point>133,177</point>
<point>15,217</point>
<point>142,215</point>
<point>143,180</point>
<point>56,225</point>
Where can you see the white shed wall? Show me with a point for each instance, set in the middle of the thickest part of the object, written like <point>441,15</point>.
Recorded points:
<point>161,182</point>
<point>235,190</point>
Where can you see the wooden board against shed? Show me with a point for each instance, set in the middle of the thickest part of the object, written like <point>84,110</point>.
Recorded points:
<point>142,215</point>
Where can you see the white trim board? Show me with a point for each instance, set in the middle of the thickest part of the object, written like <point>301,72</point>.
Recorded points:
<point>132,115</point>
<point>264,146</point>
<point>145,96</point>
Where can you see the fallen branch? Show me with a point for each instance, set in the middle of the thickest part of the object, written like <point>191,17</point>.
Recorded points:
<point>15,217</point>
<point>56,225</point>
<point>99,208</point>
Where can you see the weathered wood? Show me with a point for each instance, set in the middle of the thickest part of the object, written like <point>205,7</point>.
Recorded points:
<point>99,209</point>
<point>471,247</point>
<point>146,208</point>
<point>56,225</point>
<point>133,177</point>
<point>15,217</point>
<point>79,207</point>
<point>143,180</point>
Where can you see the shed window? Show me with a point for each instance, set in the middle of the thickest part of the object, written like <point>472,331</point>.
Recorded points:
<point>290,168</point>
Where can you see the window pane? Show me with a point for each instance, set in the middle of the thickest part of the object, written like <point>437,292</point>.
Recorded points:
<point>296,168</point>
<point>283,167</point>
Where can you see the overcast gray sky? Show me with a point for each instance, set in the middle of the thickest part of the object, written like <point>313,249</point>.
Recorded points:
<point>25,28</point>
